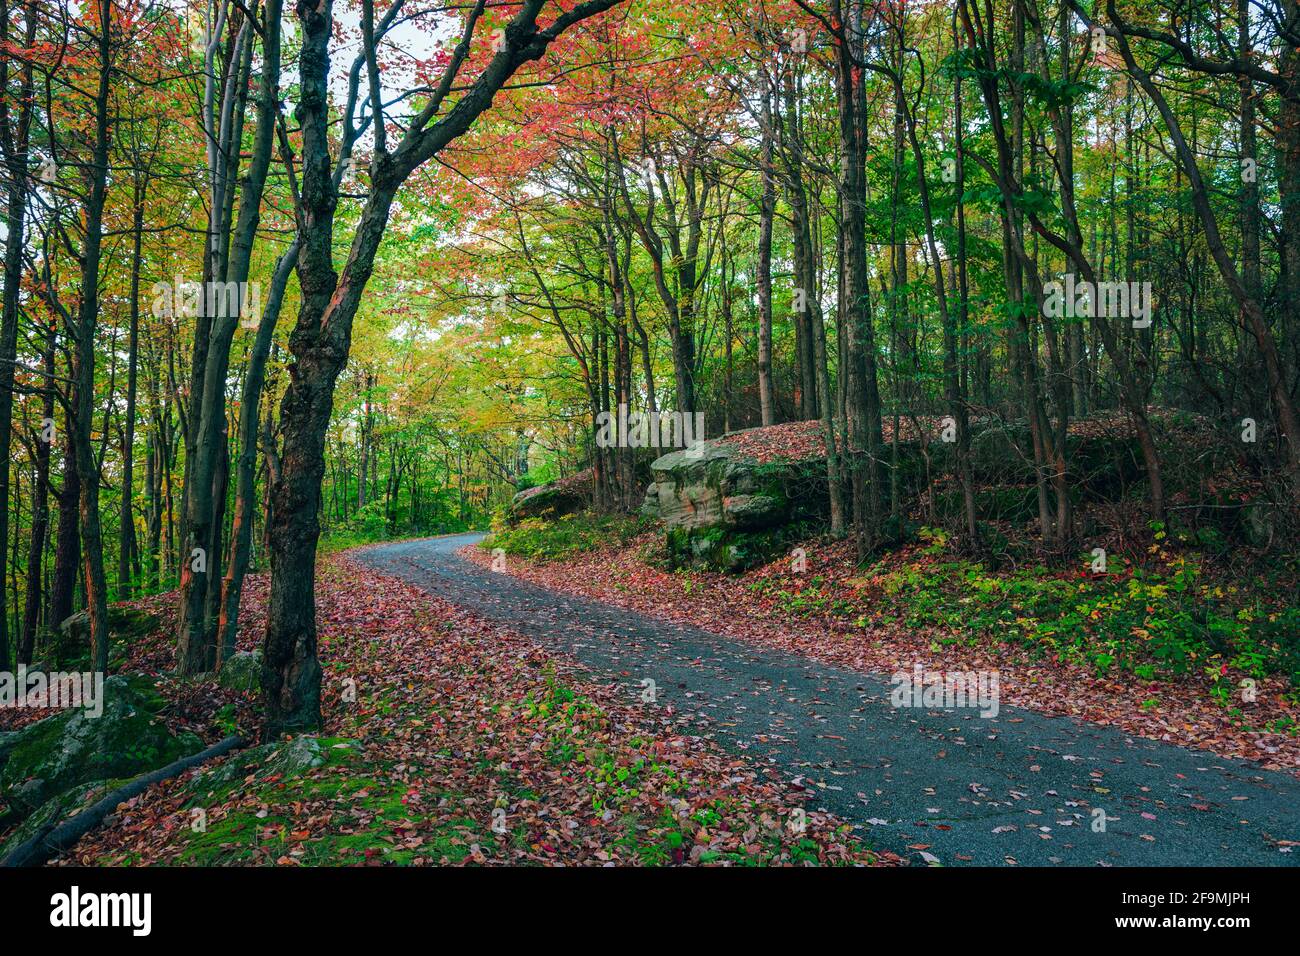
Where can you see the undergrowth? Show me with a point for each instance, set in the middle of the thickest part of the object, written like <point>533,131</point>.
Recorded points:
<point>540,539</point>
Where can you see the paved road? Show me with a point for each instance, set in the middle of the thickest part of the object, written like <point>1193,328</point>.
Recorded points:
<point>1018,788</point>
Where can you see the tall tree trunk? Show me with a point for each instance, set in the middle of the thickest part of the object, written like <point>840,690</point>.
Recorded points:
<point>126,545</point>
<point>14,141</point>
<point>206,479</point>
<point>83,369</point>
<point>806,300</point>
<point>766,212</point>
<point>40,509</point>
<point>858,366</point>
<point>67,551</point>
<point>320,341</point>
<point>246,504</point>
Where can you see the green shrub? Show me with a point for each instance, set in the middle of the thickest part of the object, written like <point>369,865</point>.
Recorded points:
<point>1159,621</point>
<point>549,540</point>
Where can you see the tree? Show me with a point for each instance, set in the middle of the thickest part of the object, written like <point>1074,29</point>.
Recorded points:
<point>321,336</point>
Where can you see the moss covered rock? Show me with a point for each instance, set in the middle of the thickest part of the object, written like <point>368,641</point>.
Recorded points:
<point>719,486</point>
<point>70,644</point>
<point>52,812</point>
<point>242,671</point>
<point>723,509</point>
<point>7,741</point>
<point>285,759</point>
<point>554,500</point>
<point>722,549</point>
<point>74,747</point>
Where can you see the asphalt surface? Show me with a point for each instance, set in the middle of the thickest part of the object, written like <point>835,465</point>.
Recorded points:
<point>1021,788</point>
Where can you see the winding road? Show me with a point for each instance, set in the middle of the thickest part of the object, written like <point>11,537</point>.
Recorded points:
<point>1021,788</point>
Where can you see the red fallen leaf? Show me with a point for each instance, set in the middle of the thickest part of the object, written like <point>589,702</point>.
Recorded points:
<point>918,846</point>
<point>479,674</point>
<point>618,575</point>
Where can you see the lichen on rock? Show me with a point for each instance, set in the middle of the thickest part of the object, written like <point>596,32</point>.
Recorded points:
<point>721,505</point>
<point>74,747</point>
<point>242,671</point>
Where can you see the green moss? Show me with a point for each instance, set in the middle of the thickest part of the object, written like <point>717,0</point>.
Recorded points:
<point>724,549</point>
<point>73,747</point>
<point>129,622</point>
<point>295,760</point>
<point>361,814</point>
<point>550,540</point>
<point>55,810</point>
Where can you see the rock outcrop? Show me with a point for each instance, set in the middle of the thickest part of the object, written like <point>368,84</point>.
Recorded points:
<point>242,671</point>
<point>76,747</point>
<point>725,503</point>
<point>70,643</point>
<point>553,500</point>
<point>728,504</point>
<point>59,807</point>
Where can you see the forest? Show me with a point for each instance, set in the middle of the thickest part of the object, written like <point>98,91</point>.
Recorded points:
<point>955,333</point>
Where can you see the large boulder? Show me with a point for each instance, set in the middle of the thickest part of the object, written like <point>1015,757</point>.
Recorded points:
<point>242,671</point>
<point>724,501</point>
<point>721,486</point>
<point>75,747</point>
<point>62,806</point>
<point>553,500</point>
<point>70,643</point>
